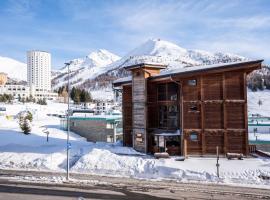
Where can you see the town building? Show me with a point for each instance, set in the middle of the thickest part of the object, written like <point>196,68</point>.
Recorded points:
<point>259,125</point>
<point>39,74</point>
<point>96,128</point>
<point>103,107</point>
<point>39,70</point>
<point>187,111</point>
<point>17,91</point>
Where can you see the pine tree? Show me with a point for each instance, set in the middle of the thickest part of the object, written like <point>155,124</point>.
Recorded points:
<point>88,97</point>
<point>73,93</point>
<point>25,125</point>
<point>82,96</point>
<point>29,116</point>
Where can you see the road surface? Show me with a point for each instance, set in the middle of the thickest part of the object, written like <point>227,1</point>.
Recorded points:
<point>13,186</point>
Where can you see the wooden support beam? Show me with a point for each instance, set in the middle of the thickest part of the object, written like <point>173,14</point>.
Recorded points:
<point>202,114</point>
<point>245,112</point>
<point>225,136</point>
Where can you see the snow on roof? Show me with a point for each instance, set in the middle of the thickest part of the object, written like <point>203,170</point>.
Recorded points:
<point>203,67</point>
<point>152,64</point>
<point>122,80</point>
<point>191,69</point>
<point>99,117</point>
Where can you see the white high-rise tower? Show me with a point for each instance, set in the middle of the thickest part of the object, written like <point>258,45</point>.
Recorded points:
<point>39,72</point>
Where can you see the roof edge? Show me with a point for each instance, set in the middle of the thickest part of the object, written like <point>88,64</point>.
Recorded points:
<point>154,65</point>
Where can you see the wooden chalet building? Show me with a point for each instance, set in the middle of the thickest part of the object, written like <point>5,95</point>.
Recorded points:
<point>191,110</point>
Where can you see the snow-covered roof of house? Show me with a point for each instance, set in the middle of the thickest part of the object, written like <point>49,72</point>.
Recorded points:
<point>187,70</point>
<point>151,64</point>
<point>123,80</point>
<point>201,68</point>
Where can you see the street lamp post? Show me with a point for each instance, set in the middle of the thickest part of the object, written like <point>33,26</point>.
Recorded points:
<point>68,122</point>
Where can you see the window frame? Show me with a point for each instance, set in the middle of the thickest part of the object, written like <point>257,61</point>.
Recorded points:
<point>167,103</point>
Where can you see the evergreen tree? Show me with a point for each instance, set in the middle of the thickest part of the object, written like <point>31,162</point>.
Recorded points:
<point>73,93</point>
<point>88,97</point>
<point>77,98</point>
<point>29,116</point>
<point>25,125</point>
<point>83,96</point>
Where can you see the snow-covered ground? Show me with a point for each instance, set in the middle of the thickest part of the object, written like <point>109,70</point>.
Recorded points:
<point>254,107</point>
<point>33,152</point>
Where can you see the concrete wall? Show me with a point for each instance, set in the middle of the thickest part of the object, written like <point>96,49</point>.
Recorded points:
<point>92,130</point>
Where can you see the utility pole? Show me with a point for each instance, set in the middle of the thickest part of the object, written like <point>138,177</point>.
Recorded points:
<point>217,165</point>
<point>68,122</point>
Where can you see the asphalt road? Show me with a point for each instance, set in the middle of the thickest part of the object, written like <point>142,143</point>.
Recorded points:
<point>103,188</point>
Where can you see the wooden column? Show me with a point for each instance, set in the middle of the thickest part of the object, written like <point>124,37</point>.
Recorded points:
<point>225,137</point>
<point>245,112</point>
<point>202,114</point>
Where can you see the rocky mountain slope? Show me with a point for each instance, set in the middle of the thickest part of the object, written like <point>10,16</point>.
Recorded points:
<point>85,68</point>
<point>89,73</point>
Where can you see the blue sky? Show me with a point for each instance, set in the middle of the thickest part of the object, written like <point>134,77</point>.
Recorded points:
<point>73,28</point>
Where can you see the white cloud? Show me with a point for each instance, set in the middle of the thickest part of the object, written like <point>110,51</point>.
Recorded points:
<point>249,22</point>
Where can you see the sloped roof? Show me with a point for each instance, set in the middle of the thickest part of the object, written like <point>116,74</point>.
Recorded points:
<point>187,70</point>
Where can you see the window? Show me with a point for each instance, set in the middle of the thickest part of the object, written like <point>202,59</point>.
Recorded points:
<point>193,108</point>
<point>192,82</point>
<point>167,92</point>
<point>168,116</point>
<point>163,117</point>
<point>167,105</point>
<point>162,92</point>
<point>109,126</point>
<point>193,136</point>
<point>172,91</point>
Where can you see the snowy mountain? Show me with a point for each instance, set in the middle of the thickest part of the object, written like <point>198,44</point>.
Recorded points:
<point>86,68</point>
<point>160,51</point>
<point>99,69</point>
<point>15,69</point>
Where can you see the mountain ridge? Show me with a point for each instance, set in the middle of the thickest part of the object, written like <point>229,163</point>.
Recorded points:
<point>153,50</point>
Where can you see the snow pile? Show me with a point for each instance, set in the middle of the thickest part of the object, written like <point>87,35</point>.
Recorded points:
<point>104,162</point>
<point>33,151</point>
<point>19,151</point>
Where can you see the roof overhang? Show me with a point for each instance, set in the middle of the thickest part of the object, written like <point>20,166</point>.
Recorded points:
<point>146,65</point>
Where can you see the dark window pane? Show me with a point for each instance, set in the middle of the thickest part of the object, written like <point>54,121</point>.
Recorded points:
<point>162,92</point>
<point>163,116</point>
<point>192,82</point>
<point>172,116</point>
<point>172,91</point>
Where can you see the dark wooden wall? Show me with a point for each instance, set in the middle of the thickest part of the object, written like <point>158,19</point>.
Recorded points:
<point>221,116</point>
<point>127,115</point>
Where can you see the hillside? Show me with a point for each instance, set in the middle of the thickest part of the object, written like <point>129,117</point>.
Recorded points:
<point>85,68</point>
<point>15,69</point>
<point>88,75</point>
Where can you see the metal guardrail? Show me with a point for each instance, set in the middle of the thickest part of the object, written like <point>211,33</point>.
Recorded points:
<point>252,148</point>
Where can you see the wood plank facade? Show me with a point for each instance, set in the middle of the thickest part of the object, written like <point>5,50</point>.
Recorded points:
<point>200,108</point>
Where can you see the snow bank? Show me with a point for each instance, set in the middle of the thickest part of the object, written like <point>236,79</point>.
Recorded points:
<point>104,162</point>
<point>19,151</point>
